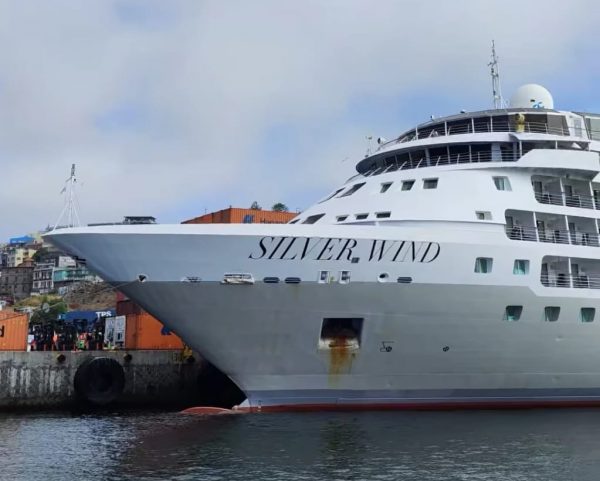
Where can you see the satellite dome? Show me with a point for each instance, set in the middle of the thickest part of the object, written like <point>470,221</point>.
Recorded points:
<point>532,96</point>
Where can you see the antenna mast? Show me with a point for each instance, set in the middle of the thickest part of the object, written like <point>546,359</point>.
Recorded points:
<point>70,208</point>
<point>495,72</point>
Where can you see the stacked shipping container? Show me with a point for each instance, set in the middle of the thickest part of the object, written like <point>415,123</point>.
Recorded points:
<point>142,331</point>
<point>14,327</point>
<point>235,215</point>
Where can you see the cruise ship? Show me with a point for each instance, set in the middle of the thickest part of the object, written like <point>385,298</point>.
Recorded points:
<point>459,267</point>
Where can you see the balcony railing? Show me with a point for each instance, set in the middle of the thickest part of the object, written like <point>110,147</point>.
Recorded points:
<point>569,200</point>
<point>555,236</point>
<point>480,127</point>
<point>435,160</point>
<point>564,279</point>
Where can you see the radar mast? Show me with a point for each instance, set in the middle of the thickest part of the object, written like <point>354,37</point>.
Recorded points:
<point>495,73</point>
<point>70,208</point>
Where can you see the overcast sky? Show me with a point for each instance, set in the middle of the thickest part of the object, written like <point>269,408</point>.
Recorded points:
<point>172,108</point>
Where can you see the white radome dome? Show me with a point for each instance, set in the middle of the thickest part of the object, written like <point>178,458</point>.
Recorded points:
<point>532,96</point>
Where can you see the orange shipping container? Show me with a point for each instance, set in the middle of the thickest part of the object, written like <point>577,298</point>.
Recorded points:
<point>143,331</point>
<point>14,327</point>
<point>235,215</point>
<point>127,307</point>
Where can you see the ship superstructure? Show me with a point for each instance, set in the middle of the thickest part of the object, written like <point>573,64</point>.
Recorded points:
<point>460,266</point>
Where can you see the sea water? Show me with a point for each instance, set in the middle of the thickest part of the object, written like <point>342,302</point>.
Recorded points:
<point>561,444</point>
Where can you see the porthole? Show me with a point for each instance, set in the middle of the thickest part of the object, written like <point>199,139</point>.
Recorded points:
<point>383,277</point>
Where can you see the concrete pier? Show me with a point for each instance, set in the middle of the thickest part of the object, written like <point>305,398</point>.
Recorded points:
<point>148,378</point>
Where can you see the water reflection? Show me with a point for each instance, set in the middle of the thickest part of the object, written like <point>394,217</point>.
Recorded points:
<point>516,445</point>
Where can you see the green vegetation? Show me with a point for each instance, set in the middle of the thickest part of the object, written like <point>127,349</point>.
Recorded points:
<point>46,308</point>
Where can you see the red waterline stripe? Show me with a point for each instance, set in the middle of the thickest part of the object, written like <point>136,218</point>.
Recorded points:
<point>413,406</point>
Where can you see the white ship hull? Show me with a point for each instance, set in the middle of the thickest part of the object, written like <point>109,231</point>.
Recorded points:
<point>439,341</point>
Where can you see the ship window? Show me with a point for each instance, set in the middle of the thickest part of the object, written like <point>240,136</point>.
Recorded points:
<point>521,267</point>
<point>311,219</point>
<point>551,313</point>
<point>341,218</point>
<point>587,314</point>
<point>341,332</point>
<point>483,265</point>
<point>385,186</point>
<point>502,183</point>
<point>430,183</point>
<point>352,189</point>
<point>323,277</point>
<point>407,184</point>
<point>294,221</point>
<point>344,277</point>
<point>383,215</point>
<point>361,216</point>
<point>594,127</point>
<point>483,215</point>
<point>513,313</point>
<point>332,195</point>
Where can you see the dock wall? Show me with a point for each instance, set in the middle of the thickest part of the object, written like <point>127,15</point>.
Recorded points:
<point>151,378</point>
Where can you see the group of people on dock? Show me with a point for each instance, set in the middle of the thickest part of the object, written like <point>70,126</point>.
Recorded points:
<point>62,337</point>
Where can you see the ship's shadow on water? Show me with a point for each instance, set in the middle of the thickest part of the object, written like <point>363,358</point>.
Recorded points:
<point>476,445</point>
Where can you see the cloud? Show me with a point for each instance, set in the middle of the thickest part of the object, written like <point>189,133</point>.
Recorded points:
<point>170,108</point>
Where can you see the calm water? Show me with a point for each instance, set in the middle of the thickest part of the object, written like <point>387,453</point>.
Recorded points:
<point>479,445</point>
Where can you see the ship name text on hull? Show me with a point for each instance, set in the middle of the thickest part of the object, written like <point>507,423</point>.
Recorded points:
<point>340,249</point>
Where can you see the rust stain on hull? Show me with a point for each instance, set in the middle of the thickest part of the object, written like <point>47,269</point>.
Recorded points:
<point>341,355</point>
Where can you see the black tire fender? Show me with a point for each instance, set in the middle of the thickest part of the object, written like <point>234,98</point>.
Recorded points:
<point>99,380</point>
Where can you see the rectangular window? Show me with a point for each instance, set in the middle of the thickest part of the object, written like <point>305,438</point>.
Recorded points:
<point>352,189</point>
<point>521,267</point>
<point>513,313</point>
<point>344,277</point>
<point>483,265</point>
<point>361,216</point>
<point>385,186</point>
<point>383,215</point>
<point>407,184</point>
<point>331,195</point>
<point>483,215</point>
<point>341,332</point>
<point>323,277</point>
<point>587,314</point>
<point>502,183</point>
<point>341,218</point>
<point>430,183</point>
<point>551,313</point>
<point>312,219</point>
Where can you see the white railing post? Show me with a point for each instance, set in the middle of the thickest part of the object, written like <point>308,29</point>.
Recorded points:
<point>563,198</point>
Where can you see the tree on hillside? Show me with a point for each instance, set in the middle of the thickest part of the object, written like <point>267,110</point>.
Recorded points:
<point>48,311</point>
<point>255,206</point>
<point>280,207</point>
<point>39,254</point>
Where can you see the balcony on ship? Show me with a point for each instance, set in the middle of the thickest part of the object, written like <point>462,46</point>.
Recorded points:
<point>582,231</point>
<point>520,225</point>
<point>569,193</point>
<point>553,228</point>
<point>570,272</point>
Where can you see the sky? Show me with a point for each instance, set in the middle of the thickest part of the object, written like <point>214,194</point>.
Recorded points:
<point>181,107</point>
